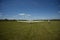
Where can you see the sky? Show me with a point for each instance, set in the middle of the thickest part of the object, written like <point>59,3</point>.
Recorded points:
<point>29,9</point>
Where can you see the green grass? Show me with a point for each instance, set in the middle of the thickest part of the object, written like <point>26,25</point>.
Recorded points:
<point>12,30</point>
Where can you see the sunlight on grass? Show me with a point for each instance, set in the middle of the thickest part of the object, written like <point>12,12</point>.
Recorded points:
<point>29,31</point>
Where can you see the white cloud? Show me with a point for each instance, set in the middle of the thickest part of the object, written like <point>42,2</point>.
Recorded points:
<point>28,15</point>
<point>24,14</point>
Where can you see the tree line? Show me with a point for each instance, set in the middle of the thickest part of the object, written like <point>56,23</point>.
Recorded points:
<point>26,20</point>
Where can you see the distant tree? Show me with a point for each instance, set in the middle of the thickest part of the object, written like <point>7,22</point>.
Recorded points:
<point>14,20</point>
<point>55,19</point>
<point>6,19</point>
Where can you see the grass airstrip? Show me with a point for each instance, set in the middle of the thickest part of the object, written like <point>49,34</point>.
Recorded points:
<point>13,30</point>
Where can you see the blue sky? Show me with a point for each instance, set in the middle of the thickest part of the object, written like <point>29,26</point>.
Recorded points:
<point>30,9</point>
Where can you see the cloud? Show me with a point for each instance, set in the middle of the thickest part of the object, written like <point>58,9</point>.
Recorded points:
<point>24,14</point>
<point>21,16</point>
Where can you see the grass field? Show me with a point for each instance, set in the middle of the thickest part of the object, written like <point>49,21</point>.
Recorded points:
<point>13,30</point>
